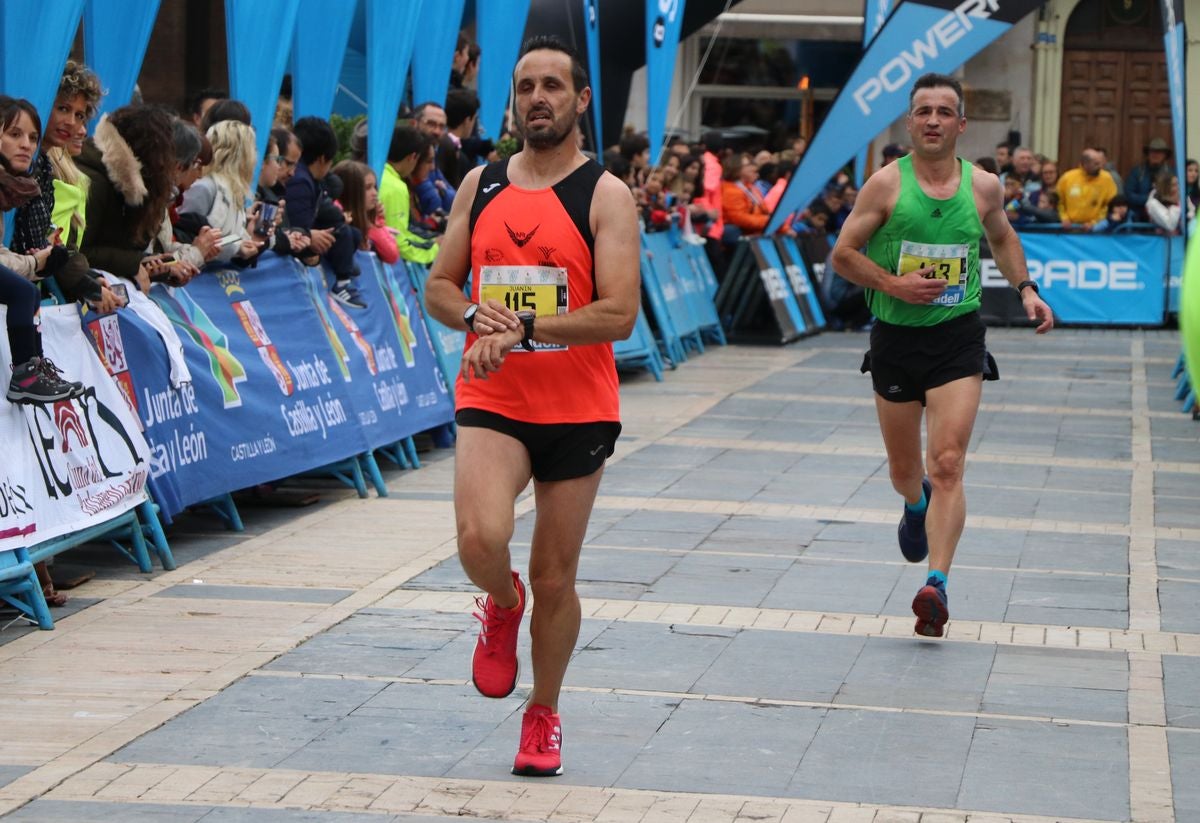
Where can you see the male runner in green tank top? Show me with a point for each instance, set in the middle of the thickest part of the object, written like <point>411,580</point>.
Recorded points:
<point>920,220</point>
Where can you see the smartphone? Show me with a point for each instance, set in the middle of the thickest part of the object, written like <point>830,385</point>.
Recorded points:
<point>120,291</point>
<point>229,240</point>
<point>168,259</point>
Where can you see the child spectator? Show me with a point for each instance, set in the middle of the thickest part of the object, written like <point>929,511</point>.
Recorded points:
<point>1117,215</point>
<point>360,201</point>
<point>308,205</point>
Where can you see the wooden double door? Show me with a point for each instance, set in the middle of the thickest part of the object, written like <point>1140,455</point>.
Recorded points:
<point>1114,99</point>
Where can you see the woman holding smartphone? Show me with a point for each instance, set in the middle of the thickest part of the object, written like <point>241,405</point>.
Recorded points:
<point>220,196</point>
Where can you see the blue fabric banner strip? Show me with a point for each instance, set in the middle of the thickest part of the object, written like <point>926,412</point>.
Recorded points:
<point>664,18</point>
<point>391,32</point>
<point>918,37</point>
<point>434,50</point>
<point>285,379</point>
<point>1176,49</point>
<point>500,26</point>
<point>875,12</point>
<point>255,70</point>
<point>591,24</point>
<point>322,32</point>
<point>37,38</point>
<point>115,36</point>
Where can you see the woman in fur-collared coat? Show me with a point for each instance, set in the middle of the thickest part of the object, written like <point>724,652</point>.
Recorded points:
<point>130,162</point>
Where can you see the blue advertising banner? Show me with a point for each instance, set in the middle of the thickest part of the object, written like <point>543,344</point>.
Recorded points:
<point>499,25</point>
<point>391,32</point>
<point>875,14</point>
<point>255,72</point>
<point>433,54</point>
<point>36,39</point>
<point>284,380</point>
<point>664,18</point>
<point>318,49</point>
<point>591,24</point>
<point>919,36</point>
<point>1095,278</point>
<point>1176,49</point>
<point>115,36</point>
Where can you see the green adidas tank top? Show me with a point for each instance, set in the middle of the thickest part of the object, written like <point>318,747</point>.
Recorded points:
<point>922,232</point>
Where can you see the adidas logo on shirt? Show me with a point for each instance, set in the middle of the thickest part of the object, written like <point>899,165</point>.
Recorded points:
<point>936,213</point>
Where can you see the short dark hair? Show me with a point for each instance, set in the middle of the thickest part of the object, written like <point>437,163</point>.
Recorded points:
<point>632,145</point>
<point>419,110</point>
<point>933,80</point>
<point>713,140</point>
<point>225,109</point>
<point>283,139</point>
<point>193,102</point>
<point>460,104</point>
<point>579,77</point>
<point>406,140</point>
<point>317,139</point>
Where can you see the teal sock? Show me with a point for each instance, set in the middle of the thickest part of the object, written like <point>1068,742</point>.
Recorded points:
<point>936,578</point>
<point>920,506</point>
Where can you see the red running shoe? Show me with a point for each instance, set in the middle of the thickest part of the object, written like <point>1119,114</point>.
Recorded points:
<point>540,754</point>
<point>932,608</point>
<point>494,667</point>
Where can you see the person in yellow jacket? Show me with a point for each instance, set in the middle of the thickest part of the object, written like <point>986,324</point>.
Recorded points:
<point>408,144</point>
<point>1083,193</point>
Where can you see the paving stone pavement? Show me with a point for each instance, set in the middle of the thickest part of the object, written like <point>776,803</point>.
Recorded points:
<point>746,650</point>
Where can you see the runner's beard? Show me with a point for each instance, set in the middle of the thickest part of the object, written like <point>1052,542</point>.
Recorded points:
<point>551,136</point>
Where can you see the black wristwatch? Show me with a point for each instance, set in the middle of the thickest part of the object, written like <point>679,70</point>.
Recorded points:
<point>1027,284</point>
<point>527,322</point>
<point>469,316</point>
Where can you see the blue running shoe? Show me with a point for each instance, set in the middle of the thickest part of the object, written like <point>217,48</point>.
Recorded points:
<point>913,543</point>
<point>932,608</point>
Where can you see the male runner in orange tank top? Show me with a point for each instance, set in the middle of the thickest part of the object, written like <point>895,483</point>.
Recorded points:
<point>550,243</point>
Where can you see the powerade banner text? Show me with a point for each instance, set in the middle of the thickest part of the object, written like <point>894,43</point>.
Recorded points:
<point>284,378</point>
<point>1176,49</point>
<point>73,463</point>
<point>663,21</point>
<point>1091,278</point>
<point>920,36</point>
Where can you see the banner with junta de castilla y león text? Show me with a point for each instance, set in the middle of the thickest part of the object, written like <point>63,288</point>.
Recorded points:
<point>284,378</point>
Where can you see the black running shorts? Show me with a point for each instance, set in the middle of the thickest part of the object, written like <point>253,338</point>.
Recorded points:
<point>557,451</point>
<point>907,361</point>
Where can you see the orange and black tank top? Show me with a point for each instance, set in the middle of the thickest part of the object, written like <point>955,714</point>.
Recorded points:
<point>533,251</point>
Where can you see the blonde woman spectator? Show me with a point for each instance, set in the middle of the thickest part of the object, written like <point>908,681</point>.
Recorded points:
<point>220,197</point>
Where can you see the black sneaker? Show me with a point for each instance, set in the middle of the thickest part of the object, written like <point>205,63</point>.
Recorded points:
<point>38,380</point>
<point>347,295</point>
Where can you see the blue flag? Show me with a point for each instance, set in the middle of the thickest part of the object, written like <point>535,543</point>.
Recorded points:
<point>919,36</point>
<point>591,24</point>
<point>1176,48</point>
<point>115,36</point>
<point>875,13</point>
<point>664,18</point>
<point>256,72</point>
<point>391,32</point>
<point>501,25</point>
<point>434,51</point>
<point>322,34</point>
<point>37,38</point>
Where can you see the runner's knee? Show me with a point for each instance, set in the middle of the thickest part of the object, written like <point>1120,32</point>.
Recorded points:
<point>479,539</point>
<point>904,476</point>
<point>550,586</point>
<point>946,467</point>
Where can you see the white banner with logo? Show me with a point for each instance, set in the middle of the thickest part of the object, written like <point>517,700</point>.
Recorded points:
<point>73,463</point>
